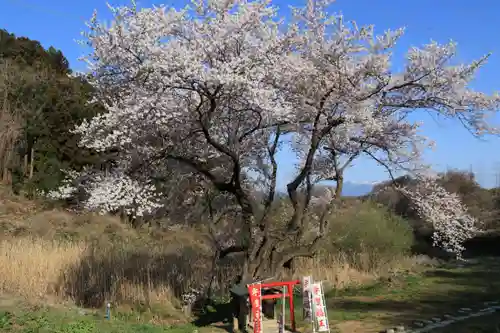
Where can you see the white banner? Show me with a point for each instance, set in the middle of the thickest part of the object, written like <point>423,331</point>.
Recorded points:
<point>319,308</point>
<point>306,298</point>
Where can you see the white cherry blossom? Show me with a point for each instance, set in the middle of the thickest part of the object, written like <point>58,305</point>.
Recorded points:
<point>221,84</point>
<point>449,217</point>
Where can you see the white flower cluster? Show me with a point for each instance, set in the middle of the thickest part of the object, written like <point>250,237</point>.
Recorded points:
<point>191,296</point>
<point>64,191</point>
<point>112,192</point>
<point>67,189</point>
<point>109,192</point>
<point>452,224</point>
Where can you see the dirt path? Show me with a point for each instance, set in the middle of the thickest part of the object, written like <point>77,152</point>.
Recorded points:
<point>483,324</point>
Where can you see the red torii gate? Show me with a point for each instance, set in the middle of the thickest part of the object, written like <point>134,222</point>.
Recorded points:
<point>255,294</point>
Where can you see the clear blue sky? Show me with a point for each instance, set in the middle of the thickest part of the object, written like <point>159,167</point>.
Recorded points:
<point>474,25</point>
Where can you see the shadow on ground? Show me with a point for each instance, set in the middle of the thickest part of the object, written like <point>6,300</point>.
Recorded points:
<point>439,291</point>
<point>219,316</point>
<point>125,275</point>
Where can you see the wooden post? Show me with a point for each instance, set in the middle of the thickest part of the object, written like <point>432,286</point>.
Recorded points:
<point>32,162</point>
<point>235,312</point>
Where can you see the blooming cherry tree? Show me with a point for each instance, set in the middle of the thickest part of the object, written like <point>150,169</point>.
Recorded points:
<point>448,216</point>
<point>220,85</point>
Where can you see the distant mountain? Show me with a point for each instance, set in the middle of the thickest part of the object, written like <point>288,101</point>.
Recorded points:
<point>356,189</point>
<point>350,189</point>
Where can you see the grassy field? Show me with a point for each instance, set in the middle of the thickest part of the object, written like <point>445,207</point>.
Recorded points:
<point>52,260</point>
<point>400,300</point>
<point>406,299</point>
<point>45,320</point>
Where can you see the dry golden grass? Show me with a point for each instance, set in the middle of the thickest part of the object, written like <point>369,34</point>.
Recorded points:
<point>35,268</point>
<point>31,268</point>
<point>341,271</point>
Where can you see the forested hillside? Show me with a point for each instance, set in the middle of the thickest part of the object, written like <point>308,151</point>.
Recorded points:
<point>41,102</point>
